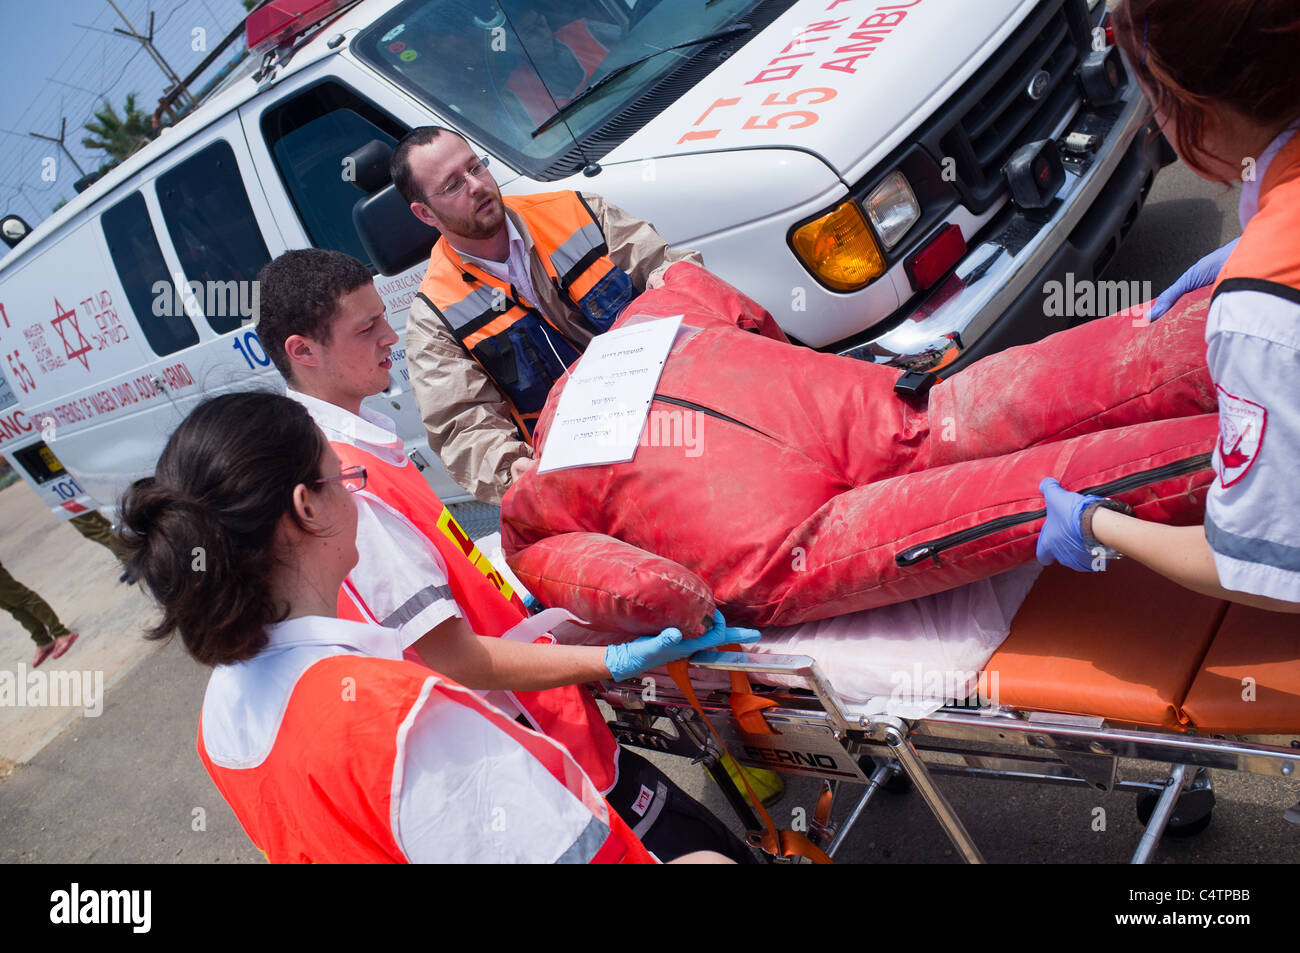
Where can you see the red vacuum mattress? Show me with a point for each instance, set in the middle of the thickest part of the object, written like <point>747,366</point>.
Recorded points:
<point>811,489</point>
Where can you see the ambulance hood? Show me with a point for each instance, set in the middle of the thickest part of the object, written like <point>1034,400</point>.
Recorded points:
<point>849,84</point>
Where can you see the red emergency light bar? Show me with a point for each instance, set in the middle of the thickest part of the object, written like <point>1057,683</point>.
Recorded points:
<point>280,22</point>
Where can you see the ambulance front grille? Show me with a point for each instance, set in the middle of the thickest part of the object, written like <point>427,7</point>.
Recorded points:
<point>1001,115</point>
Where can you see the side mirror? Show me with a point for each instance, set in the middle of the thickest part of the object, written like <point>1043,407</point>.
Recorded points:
<point>13,230</point>
<point>370,164</point>
<point>392,236</point>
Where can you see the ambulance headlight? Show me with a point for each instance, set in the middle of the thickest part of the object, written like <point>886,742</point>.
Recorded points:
<point>893,208</point>
<point>839,249</point>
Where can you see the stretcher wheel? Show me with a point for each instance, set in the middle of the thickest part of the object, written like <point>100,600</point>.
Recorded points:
<point>898,783</point>
<point>1193,812</point>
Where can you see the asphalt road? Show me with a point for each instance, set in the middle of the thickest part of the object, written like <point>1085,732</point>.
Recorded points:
<point>127,786</point>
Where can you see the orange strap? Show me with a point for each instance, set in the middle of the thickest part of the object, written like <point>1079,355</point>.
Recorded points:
<point>748,709</point>
<point>825,800</point>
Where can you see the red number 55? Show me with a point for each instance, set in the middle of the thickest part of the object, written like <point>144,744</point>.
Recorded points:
<point>803,117</point>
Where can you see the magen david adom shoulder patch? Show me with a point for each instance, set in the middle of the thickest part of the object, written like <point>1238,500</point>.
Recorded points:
<point>1241,437</point>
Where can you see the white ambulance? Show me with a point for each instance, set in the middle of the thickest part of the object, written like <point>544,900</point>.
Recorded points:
<point>896,180</point>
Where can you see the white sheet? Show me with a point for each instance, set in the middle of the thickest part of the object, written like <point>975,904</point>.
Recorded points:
<point>905,659</point>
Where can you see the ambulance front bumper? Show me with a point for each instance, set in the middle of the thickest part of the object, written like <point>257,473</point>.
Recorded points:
<point>994,298</point>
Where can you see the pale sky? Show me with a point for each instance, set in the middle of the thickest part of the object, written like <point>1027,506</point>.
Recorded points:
<point>63,58</point>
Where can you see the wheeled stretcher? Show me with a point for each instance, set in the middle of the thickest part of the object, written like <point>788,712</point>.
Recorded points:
<point>1097,667</point>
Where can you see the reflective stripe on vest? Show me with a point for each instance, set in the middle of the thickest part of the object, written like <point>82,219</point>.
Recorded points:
<point>520,350</point>
<point>325,792</point>
<point>573,259</point>
<point>489,605</point>
<point>514,343</point>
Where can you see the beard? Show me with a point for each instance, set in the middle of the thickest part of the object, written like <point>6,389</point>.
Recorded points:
<point>477,224</point>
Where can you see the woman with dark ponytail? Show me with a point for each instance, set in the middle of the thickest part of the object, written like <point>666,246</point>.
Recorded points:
<point>326,744</point>
<point>199,530</point>
<point>1224,77</point>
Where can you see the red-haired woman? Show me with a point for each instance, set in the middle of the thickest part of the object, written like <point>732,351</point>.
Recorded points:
<point>1224,76</point>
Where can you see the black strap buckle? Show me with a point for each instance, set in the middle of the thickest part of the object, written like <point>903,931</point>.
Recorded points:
<point>915,383</point>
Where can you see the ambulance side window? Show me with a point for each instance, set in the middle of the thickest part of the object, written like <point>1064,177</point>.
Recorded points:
<point>216,236</point>
<point>310,137</point>
<point>139,262</point>
<point>7,396</point>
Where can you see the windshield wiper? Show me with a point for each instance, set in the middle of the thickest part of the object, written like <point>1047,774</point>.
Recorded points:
<point>609,77</point>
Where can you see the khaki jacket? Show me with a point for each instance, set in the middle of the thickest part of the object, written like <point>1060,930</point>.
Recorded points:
<point>466,418</point>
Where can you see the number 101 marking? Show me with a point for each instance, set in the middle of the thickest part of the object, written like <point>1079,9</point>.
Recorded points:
<point>250,349</point>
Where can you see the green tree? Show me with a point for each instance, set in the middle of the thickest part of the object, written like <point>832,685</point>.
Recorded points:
<point>119,136</point>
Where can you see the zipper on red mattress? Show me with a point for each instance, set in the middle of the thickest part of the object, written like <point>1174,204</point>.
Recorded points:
<point>712,413</point>
<point>931,550</point>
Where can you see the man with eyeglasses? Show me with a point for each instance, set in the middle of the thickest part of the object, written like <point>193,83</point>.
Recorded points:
<point>516,289</point>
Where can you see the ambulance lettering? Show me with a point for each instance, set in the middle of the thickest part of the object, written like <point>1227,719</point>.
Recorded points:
<point>116,396</point>
<point>869,34</point>
<point>67,490</point>
<point>1241,437</point>
<point>801,118</point>
<point>99,310</point>
<point>177,376</point>
<point>44,356</point>
<point>839,44</point>
<point>398,292</point>
<point>20,373</point>
<point>14,425</point>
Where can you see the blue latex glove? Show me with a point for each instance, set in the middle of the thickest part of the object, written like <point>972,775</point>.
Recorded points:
<point>1061,539</point>
<point>1204,272</point>
<point>632,658</point>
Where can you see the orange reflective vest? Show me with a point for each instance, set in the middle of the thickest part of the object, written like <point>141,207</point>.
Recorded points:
<point>489,605</point>
<point>325,793</point>
<point>527,85</point>
<point>516,345</point>
<point>1269,250</point>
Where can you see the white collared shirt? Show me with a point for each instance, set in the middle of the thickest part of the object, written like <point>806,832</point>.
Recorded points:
<point>244,702</point>
<point>466,791</point>
<point>1252,512</point>
<point>1248,205</point>
<point>399,573</point>
<point>514,270</point>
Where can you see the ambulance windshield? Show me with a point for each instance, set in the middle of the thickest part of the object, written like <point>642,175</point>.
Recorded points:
<point>500,69</point>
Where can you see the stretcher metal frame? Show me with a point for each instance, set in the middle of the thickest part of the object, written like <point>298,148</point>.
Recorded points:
<point>841,744</point>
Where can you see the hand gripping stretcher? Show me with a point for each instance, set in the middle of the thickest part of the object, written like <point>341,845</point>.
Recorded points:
<point>1097,667</point>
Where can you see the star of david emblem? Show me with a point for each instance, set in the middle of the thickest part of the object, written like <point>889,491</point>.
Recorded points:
<point>60,322</point>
